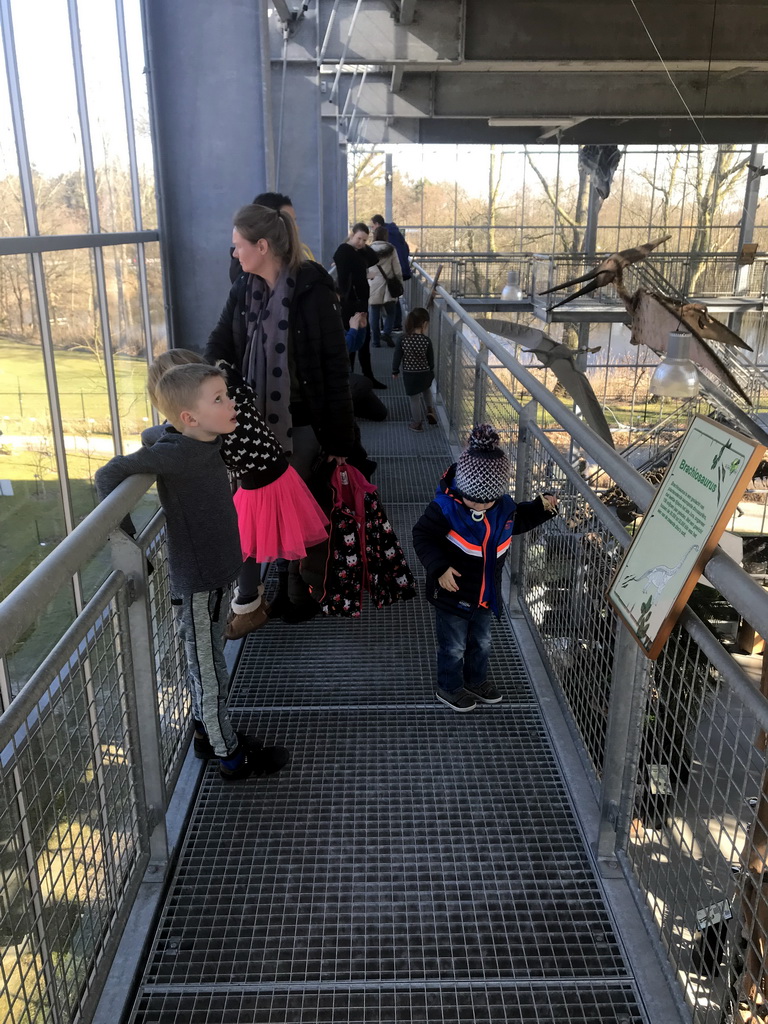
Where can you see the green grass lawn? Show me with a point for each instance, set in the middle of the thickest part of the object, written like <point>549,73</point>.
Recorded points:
<point>82,391</point>
<point>31,520</point>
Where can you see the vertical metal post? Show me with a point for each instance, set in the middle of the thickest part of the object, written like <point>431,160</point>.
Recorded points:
<point>130,558</point>
<point>38,271</point>
<point>388,187</point>
<point>93,203</point>
<point>455,342</point>
<point>522,473</point>
<point>481,384</point>
<point>629,681</point>
<point>747,226</point>
<point>593,212</point>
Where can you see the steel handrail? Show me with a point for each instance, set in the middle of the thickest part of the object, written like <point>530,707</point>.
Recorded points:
<point>30,598</point>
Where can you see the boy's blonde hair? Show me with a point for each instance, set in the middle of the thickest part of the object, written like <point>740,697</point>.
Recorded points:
<point>174,381</point>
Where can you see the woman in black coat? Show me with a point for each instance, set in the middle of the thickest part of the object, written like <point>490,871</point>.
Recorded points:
<point>353,258</point>
<point>281,328</point>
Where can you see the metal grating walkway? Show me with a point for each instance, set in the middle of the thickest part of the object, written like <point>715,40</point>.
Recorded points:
<point>411,864</point>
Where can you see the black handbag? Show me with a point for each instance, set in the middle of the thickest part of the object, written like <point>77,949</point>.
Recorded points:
<point>394,284</point>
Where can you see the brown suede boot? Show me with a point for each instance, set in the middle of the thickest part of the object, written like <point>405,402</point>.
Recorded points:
<point>246,617</point>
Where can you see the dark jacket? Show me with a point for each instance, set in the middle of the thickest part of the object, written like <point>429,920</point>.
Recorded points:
<point>318,352</point>
<point>403,249</point>
<point>193,486</point>
<point>447,537</point>
<point>352,269</point>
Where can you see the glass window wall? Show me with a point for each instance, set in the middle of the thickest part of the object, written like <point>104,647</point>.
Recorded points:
<point>51,117</point>
<point>104,307</point>
<point>106,102</point>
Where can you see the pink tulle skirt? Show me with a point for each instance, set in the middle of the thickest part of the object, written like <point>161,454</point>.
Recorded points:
<point>280,520</point>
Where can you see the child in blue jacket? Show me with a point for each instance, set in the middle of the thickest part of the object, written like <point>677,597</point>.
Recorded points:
<point>462,541</point>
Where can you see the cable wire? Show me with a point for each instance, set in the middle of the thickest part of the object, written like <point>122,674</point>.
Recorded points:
<point>669,76</point>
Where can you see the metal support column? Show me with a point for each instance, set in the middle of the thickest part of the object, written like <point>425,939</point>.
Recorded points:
<point>747,227</point>
<point>522,472</point>
<point>629,680</point>
<point>212,145</point>
<point>590,247</point>
<point>130,558</point>
<point>296,115</point>
<point>388,187</point>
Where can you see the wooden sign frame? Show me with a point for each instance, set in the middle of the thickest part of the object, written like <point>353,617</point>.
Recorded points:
<point>692,507</point>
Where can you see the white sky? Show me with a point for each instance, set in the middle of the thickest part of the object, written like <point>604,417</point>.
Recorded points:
<point>47,82</point>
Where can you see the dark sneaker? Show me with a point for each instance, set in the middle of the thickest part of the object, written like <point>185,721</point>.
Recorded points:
<point>432,417</point>
<point>269,760</point>
<point>254,760</point>
<point>487,693</point>
<point>459,700</point>
<point>417,427</point>
<point>301,612</point>
<point>205,751</point>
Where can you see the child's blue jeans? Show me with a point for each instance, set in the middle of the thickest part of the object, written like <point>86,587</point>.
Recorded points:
<point>463,648</point>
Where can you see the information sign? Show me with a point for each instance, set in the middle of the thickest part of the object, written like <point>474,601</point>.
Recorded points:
<point>680,531</point>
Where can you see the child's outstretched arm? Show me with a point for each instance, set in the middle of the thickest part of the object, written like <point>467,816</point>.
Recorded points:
<point>530,514</point>
<point>108,477</point>
<point>157,460</point>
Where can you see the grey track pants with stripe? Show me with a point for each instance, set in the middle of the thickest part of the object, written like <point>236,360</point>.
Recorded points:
<point>201,619</point>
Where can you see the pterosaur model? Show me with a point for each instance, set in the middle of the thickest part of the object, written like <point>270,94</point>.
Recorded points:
<point>606,272</point>
<point>560,360</point>
<point>654,314</point>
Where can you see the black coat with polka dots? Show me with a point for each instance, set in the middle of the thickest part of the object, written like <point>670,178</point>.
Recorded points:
<point>317,351</point>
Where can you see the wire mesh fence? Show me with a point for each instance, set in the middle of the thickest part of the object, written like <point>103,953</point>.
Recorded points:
<point>72,818</point>
<point>690,825</point>
<point>174,700</point>
<point>90,750</point>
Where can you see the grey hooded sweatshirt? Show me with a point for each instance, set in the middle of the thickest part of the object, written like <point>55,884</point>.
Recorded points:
<point>192,483</point>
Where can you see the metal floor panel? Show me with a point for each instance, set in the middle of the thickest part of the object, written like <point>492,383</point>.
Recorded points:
<point>406,479</point>
<point>403,843</point>
<point>385,656</point>
<point>379,1005</point>
<point>410,864</point>
<point>393,437</point>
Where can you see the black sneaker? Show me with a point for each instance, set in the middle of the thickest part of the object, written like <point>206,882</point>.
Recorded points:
<point>487,693</point>
<point>301,612</point>
<point>255,760</point>
<point>204,749</point>
<point>459,700</point>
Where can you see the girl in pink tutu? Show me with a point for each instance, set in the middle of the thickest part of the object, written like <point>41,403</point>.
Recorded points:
<point>277,515</point>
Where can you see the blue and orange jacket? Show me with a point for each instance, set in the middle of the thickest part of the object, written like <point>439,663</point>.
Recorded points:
<point>446,536</point>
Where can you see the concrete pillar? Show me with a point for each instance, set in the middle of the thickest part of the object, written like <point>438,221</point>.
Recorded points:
<point>298,166</point>
<point>335,223</point>
<point>209,87</point>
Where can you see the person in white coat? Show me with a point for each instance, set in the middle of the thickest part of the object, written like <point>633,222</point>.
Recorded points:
<point>381,303</point>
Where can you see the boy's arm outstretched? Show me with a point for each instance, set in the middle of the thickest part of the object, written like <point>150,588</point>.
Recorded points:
<point>530,514</point>
<point>155,460</point>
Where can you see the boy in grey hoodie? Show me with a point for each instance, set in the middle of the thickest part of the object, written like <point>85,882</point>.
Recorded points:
<point>204,555</point>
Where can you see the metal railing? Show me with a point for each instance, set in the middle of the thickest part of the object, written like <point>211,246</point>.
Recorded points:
<point>90,750</point>
<point>675,748</point>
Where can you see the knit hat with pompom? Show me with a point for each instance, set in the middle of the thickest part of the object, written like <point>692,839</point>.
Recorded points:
<point>482,472</point>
